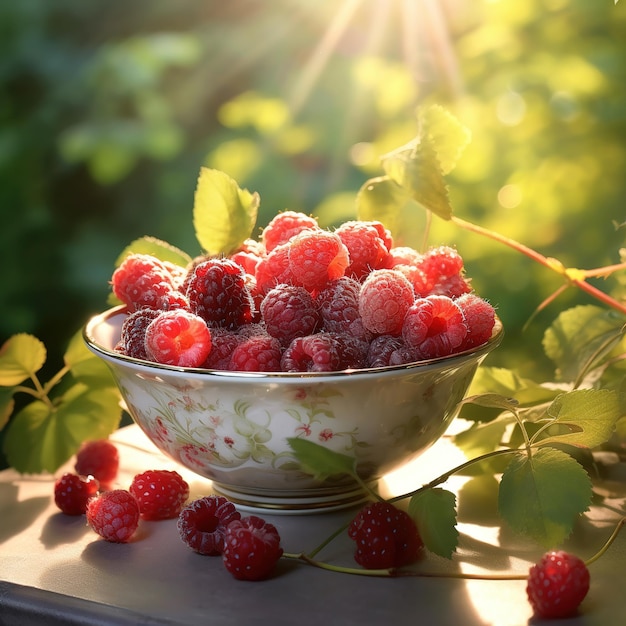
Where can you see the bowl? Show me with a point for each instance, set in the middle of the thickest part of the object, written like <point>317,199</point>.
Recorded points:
<point>232,427</point>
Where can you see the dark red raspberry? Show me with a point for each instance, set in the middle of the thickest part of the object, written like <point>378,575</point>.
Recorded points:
<point>223,343</point>
<point>114,515</point>
<point>557,584</point>
<point>161,494</point>
<point>218,293</point>
<point>100,459</point>
<point>338,304</point>
<point>259,353</point>
<point>178,338</point>
<point>434,326</point>
<point>381,349</point>
<point>251,548</point>
<point>480,318</point>
<point>385,297</point>
<point>133,335</point>
<point>273,270</point>
<point>289,311</point>
<point>366,249</point>
<point>202,524</point>
<point>323,352</point>
<point>316,257</point>
<point>142,280</point>
<point>385,537</point>
<point>72,492</point>
<point>284,226</point>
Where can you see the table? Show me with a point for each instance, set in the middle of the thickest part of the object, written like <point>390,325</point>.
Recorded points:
<point>55,570</point>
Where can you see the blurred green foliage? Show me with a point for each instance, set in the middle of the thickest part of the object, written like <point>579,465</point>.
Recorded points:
<point>109,109</point>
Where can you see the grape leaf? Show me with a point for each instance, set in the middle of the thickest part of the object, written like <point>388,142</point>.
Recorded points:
<point>21,356</point>
<point>579,337</point>
<point>541,496</point>
<point>223,214</point>
<point>588,415</point>
<point>319,461</point>
<point>157,248</point>
<point>434,512</point>
<point>86,366</point>
<point>6,405</point>
<point>41,437</point>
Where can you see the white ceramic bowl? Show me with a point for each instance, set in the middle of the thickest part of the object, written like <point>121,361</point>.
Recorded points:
<point>232,427</point>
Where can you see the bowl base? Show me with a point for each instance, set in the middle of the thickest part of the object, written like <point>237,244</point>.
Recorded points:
<point>293,505</point>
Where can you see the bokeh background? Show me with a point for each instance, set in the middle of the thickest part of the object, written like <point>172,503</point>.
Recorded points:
<point>108,110</point>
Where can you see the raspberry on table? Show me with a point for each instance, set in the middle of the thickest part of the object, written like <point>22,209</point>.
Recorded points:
<point>289,311</point>
<point>202,524</point>
<point>98,458</point>
<point>557,584</point>
<point>338,304</point>
<point>218,293</point>
<point>385,537</point>
<point>114,515</point>
<point>251,548</point>
<point>178,338</point>
<point>384,299</point>
<point>366,249</point>
<point>260,353</point>
<point>161,494</point>
<point>133,335</point>
<point>284,226</point>
<point>480,318</point>
<point>72,492</point>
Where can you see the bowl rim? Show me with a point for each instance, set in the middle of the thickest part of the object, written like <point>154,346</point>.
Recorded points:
<point>115,357</point>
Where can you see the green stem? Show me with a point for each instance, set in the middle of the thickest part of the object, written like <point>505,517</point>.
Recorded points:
<point>607,543</point>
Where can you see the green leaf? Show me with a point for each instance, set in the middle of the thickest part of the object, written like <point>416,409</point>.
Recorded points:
<point>589,417</point>
<point>86,366</point>
<point>482,438</point>
<point>223,214</point>
<point>41,437</point>
<point>493,401</point>
<point>542,496</point>
<point>434,512</point>
<point>156,248</point>
<point>7,403</point>
<point>319,461</point>
<point>580,337</point>
<point>21,357</point>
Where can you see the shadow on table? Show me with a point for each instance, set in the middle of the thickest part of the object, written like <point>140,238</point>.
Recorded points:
<point>18,516</point>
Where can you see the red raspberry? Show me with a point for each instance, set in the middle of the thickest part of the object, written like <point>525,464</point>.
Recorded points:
<point>251,548</point>
<point>289,311</point>
<point>273,270</point>
<point>385,537</point>
<point>161,494</point>
<point>453,286</point>
<point>480,318</point>
<point>385,297</point>
<point>403,255</point>
<point>284,226</point>
<point>316,257</point>
<point>260,353</point>
<point>202,524</point>
<point>419,281</point>
<point>434,326</point>
<point>249,255</point>
<point>380,350</point>
<point>366,249</point>
<point>223,343</point>
<point>133,335</point>
<point>142,280</point>
<point>218,293</point>
<point>339,307</point>
<point>72,492</point>
<point>323,352</point>
<point>557,584</point>
<point>178,338</point>
<point>441,262</point>
<point>99,459</point>
<point>114,515</point>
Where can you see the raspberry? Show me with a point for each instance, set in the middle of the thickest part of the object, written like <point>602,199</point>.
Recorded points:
<point>385,297</point>
<point>403,255</point>
<point>441,262</point>
<point>249,255</point>
<point>260,353</point>
<point>434,326</point>
<point>289,311</point>
<point>251,548</point>
<point>380,350</point>
<point>480,318</point>
<point>323,352</point>
<point>316,257</point>
<point>339,307</point>
<point>178,338</point>
<point>202,524</point>
<point>142,280</point>
<point>217,292</point>
<point>419,281</point>
<point>366,249</point>
<point>72,492</point>
<point>223,342</point>
<point>557,584</point>
<point>273,270</point>
<point>98,458</point>
<point>160,494</point>
<point>385,537</point>
<point>133,335</point>
<point>284,226</point>
<point>114,515</point>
